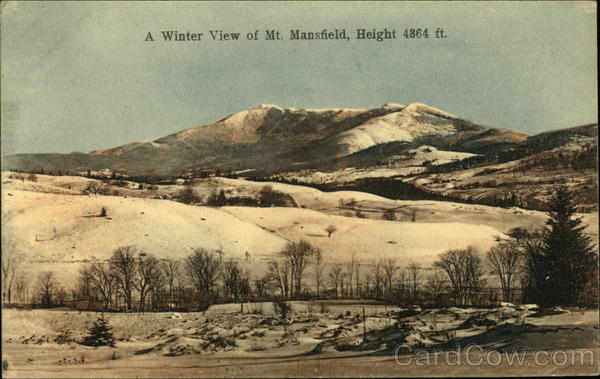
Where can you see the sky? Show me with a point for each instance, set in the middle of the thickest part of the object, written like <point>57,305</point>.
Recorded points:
<point>80,76</point>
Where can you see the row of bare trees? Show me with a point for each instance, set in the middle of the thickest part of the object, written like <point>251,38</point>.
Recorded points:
<point>299,271</point>
<point>464,271</point>
<point>552,266</point>
<point>205,276</point>
<point>160,283</point>
<point>287,273</point>
<point>17,286</point>
<point>289,276</point>
<point>45,290</point>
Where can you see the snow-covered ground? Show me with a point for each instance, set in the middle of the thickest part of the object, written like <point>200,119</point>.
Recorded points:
<point>55,228</point>
<point>410,162</point>
<point>254,343</point>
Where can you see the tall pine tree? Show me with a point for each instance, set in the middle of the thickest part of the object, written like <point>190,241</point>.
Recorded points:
<point>569,256</point>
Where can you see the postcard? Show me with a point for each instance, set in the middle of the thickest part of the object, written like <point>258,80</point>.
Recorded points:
<point>299,189</point>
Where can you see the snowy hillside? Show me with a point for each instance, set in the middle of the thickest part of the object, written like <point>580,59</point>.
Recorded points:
<point>270,137</point>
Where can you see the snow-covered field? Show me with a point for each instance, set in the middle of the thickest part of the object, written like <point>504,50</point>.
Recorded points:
<point>411,162</point>
<point>56,228</point>
<point>308,343</point>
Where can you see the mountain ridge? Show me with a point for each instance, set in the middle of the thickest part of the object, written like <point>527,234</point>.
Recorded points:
<point>272,138</point>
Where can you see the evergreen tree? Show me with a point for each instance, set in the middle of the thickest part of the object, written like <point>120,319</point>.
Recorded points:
<point>569,256</point>
<point>99,334</point>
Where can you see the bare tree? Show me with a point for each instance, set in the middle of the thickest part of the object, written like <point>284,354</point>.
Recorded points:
<point>202,268</point>
<point>10,262</point>
<point>367,289</point>
<point>344,283</point>
<point>335,278</point>
<point>330,230</point>
<point>475,280</point>
<point>452,262</point>
<point>413,270</point>
<point>124,265</point>
<point>47,286</point>
<point>357,280</point>
<point>463,268</point>
<point>103,281</point>
<point>60,295</point>
<point>170,269</point>
<point>84,290</point>
<point>278,272</point>
<point>436,282</point>
<point>156,288</point>
<point>350,273</point>
<point>21,288</point>
<point>403,283</point>
<point>299,255</point>
<point>318,270</point>
<point>533,273</point>
<point>389,270</point>
<point>147,278</point>
<point>505,259</point>
<point>378,279</point>
<point>97,188</point>
<point>232,277</point>
<point>261,286</point>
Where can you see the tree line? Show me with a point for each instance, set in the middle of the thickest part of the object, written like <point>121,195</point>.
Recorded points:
<point>554,265</point>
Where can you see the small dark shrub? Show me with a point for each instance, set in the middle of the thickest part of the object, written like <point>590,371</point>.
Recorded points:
<point>389,215</point>
<point>64,335</point>
<point>99,334</point>
<point>187,195</point>
<point>282,309</point>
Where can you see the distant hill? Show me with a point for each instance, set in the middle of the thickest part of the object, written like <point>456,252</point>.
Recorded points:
<point>525,174</point>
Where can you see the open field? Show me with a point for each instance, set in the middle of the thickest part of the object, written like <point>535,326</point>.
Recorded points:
<point>317,340</point>
<point>54,227</point>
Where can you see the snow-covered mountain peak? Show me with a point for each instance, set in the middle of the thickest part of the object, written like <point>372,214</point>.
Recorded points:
<point>418,107</point>
<point>393,106</point>
<point>268,107</point>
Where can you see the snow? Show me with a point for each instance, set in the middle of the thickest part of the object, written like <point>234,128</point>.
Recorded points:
<point>62,231</point>
<point>420,242</point>
<point>396,126</point>
<point>419,107</point>
<point>225,342</point>
<point>49,222</point>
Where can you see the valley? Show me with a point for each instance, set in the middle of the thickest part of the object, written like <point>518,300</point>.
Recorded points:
<point>283,241</point>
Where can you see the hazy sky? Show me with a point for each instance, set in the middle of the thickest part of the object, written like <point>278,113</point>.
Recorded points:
<point>79,76</point>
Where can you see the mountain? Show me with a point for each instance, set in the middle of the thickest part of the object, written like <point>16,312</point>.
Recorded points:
<point>271,138</point>
<point>525,174</point>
